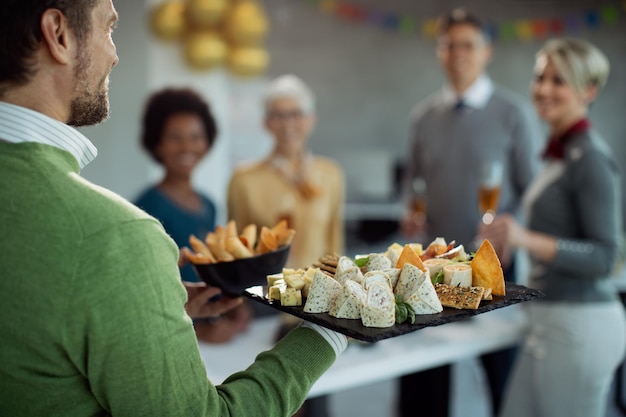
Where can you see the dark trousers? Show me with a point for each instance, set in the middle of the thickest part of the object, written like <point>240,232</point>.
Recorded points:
<point>431,388</point>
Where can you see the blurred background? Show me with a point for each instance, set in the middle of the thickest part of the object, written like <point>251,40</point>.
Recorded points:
<point>368,61</point>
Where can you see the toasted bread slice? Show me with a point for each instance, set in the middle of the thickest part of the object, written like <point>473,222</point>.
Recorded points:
<point>487,270</point>
<point>459,297</point>
<point>408,255</point>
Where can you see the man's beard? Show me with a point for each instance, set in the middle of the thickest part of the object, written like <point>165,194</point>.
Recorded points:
<point>89,107</point>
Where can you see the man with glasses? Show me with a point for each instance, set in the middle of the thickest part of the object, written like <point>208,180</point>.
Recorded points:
<point>454,132</point>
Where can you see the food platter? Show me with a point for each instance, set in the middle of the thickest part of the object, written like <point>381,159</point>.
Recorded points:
<point>354,328</point>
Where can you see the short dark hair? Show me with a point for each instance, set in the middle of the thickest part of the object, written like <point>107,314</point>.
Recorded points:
<point>20,32</point>
<point>169,102</point>
<point>461,17</point>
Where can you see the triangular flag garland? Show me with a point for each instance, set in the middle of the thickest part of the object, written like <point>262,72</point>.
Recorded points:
<point>608,15</point>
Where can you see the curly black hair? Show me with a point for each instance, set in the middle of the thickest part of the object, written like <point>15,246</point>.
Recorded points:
<point>169,102</point>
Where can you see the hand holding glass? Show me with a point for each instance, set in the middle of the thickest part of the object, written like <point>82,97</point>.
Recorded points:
<point>490,182</point>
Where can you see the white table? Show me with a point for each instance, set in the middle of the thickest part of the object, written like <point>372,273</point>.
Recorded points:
<point>364,364</point>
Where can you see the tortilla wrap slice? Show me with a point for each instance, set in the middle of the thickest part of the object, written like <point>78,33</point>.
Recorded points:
<point>424,299</point>
<point>393,252</point>
<point>410,277</point>
<point>349,302</point>
<point>354,273</point>
<point>375,276</point>
<point>380,307</point>
<point>344,263</point>
<point>322,293</point>
<point>376,262</point>
<point>393,274</point>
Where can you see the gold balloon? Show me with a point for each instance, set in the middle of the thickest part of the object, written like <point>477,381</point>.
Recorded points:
<point>205,50</point>
<point>206,13</point>
<point>246,23</point>
<point>168,20</point>
<point>248,61</point>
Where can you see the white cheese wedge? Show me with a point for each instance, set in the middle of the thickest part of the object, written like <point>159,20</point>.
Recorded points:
<point>349,303</point>
<point>457,275</point>
<point>322,293</point>
<point>380,307</point>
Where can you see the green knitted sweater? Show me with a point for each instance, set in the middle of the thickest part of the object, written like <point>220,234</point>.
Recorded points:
<point>91,306</point>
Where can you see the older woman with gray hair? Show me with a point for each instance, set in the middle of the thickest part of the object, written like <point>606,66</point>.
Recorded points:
<point>576,337</point>
<point>291,183</point>
<point>294,185</point>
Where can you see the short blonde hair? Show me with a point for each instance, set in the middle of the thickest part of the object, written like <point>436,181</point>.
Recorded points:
<point>290,86</point>
<point>580,63</point>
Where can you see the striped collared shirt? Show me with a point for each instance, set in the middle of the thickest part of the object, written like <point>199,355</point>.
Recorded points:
<point>19,124</point>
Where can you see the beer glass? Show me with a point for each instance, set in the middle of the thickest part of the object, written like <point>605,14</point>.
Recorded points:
<point>490,182</point>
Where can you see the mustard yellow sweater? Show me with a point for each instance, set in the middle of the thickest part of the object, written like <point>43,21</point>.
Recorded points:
<point>262,195</point>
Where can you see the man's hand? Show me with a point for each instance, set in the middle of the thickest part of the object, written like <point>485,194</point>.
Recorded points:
<point>199,306</point>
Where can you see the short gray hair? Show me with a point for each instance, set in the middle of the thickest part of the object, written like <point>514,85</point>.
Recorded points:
<point>580,63</point>
<point>290,86</point>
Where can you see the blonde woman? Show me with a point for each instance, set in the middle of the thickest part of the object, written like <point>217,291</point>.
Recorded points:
<point>577,331</point>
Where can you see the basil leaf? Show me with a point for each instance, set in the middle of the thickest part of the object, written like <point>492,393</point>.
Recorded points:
<point>437,278</point>
<point>401,313</point>
<point>360,262</point>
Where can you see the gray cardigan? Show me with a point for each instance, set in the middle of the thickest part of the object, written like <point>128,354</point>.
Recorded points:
<point>578,200</point>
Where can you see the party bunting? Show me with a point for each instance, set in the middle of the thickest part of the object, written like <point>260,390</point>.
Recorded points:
<point>521,29</point>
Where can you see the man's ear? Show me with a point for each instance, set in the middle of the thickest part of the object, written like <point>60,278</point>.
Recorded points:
<point>56,35</point>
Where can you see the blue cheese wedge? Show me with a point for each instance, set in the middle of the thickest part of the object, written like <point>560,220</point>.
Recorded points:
<point>290,297</point>
<point>322,293</point>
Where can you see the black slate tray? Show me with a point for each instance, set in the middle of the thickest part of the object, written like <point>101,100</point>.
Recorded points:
<point>354,328</point>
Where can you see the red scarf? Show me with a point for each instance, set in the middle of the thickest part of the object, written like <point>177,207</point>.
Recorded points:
<point>556,146</point>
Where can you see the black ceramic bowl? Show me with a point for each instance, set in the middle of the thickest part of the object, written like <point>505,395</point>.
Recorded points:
<point>234,277</point>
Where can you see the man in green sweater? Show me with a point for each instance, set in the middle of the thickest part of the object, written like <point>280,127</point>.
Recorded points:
<point>93,319</point>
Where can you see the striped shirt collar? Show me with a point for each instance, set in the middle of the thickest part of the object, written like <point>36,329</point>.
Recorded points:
<point>476,96</point>
<point>19,124</point>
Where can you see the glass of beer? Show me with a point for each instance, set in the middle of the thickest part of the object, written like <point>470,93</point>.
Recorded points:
<point>490,182</point>
<point>419,203</point>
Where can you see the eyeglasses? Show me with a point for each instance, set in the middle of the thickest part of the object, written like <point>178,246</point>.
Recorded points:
<point>294,115</point>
